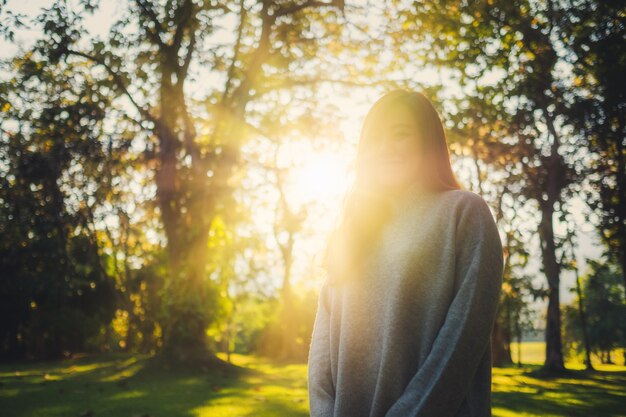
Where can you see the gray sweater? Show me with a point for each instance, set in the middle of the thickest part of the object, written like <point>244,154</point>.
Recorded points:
<point>411,337</point>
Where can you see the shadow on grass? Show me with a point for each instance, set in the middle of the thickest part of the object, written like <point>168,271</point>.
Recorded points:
<point>530,390</point>
<point>124,385</point>
<point>141,386</point>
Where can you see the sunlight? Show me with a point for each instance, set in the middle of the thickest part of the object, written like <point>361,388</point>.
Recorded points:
<point>322,173</point>
<point>322,176</point>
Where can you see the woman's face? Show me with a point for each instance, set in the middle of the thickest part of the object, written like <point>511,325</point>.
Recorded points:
<point>392,150</point>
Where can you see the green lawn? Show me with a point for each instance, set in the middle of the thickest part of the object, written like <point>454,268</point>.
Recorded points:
<point>123,385</point>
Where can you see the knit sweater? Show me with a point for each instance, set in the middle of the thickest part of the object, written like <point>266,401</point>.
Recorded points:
<point>411,336</point>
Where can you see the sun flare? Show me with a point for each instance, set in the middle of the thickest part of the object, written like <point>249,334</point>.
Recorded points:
<point>322,177</point>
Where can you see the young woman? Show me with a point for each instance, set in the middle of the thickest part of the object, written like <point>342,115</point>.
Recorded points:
<point>414,272</point>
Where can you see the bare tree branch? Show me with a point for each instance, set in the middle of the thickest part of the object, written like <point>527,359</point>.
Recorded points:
<point>187,11</point>
<point>284,11</point>
<point>231,68</point>
<point>292,82</point>
<point>184,69</point>
<point>119,81</point>
<point>158,28</point>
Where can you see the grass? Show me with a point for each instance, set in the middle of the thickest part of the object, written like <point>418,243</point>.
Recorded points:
<point>518,393</point>
<point>125,385</point>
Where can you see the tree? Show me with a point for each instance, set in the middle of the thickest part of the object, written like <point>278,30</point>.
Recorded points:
<point>572,264</point>
<point>152,61</point>
<point>605,307</point>
<point>514,313</point>
<point>55,292</point>
<point>596,39</point>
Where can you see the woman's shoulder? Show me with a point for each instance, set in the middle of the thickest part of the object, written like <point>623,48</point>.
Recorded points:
<point>471,212</point>
<point>446,205</point>
<point>462,198</point>
<point>463,203</point>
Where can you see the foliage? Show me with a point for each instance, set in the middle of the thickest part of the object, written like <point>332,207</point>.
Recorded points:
<point>605,307</point>
<point>131,163</point>
<point>55,293</point>
<point>596,38</point>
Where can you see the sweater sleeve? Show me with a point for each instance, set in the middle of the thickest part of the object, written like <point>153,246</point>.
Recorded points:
<point>320,383</point>
<point>441,383</point>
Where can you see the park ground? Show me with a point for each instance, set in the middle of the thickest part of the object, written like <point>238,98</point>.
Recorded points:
<point>136,386</point>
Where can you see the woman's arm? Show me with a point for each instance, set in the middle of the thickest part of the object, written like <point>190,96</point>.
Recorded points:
<point>321,389</point>
<point>442,382</point>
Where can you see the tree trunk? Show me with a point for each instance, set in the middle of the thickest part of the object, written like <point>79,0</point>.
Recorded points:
<point>583,322</point>
<point>188,304</point>
<point>554,350</point>
<point>287,324</point>
<point>621,209</point>
<point>500,346</point>
<point>518,336</point>
<point>555,171</point>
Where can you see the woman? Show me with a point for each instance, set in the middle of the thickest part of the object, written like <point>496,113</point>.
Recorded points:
<point>415,267</point>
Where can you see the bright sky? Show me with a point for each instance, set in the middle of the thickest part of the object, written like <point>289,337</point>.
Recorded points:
<point>322,176</point>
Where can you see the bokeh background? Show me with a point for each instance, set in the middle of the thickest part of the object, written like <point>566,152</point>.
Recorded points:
<point>170,171</point>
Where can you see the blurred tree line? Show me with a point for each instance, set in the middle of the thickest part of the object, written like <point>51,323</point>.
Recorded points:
<point>125,197</point>
<point>604,329</point>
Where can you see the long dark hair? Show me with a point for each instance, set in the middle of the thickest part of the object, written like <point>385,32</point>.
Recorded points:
<point>365,211</point>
